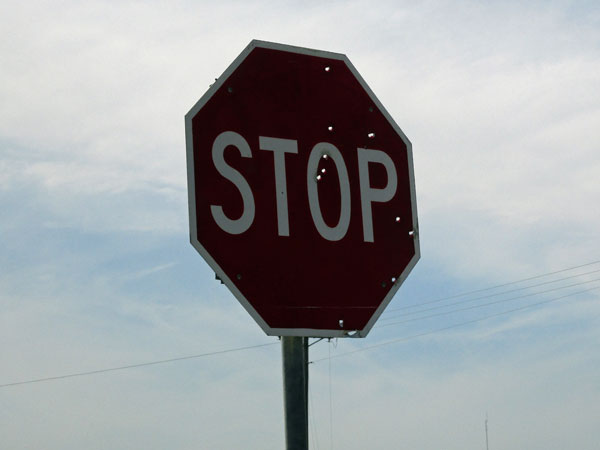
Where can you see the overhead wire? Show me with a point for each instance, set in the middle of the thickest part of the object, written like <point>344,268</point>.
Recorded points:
<point>497,294</point>
<point>132,366</point>
<point>476,291</point>
<point>165,361</point>
<point>495,302</point>
<point>457,325</point>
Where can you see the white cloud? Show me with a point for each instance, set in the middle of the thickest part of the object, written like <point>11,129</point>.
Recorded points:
<point>502,104</point>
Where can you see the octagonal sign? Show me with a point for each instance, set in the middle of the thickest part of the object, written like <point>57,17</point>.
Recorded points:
<point>301,191</point>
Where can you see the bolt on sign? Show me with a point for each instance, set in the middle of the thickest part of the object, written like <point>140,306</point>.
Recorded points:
<point>301,191</point>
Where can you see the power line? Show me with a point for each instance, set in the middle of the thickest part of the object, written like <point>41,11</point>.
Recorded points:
<point>164,361</point>
<point>433,308</point>
<point>485,304</point>
<point>492,287</point>
<point>132,366</point>
<point>457,325</point>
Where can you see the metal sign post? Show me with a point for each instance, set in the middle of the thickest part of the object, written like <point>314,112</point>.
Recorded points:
<point>299,177</point>
<point>294,352</point>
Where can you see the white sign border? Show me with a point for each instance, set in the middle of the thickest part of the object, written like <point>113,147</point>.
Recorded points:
<point>306,332</point>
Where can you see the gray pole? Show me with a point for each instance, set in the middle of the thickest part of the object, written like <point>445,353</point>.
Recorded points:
<point>305,344</point>
<point>294,351</point>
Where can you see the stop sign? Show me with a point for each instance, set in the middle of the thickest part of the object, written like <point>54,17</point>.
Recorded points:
<point>301,191</point>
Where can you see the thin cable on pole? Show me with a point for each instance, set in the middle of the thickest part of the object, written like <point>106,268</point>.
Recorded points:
<point>487,447</point>
<point>493,287</point>
<point>445,313</point>
<point>132,366</point>
<point>315,437</point>
<point>457,325</point>
<point>330,401</point>
<point>315,342</point>
<point>447,305</point>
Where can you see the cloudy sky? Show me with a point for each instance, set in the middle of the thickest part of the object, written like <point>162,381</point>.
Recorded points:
<point>501,101</point>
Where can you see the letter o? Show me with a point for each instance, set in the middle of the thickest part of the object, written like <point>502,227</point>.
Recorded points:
<point>339,231</point>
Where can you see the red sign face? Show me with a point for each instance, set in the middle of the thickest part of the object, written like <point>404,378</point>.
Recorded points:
<point>301,191</point>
